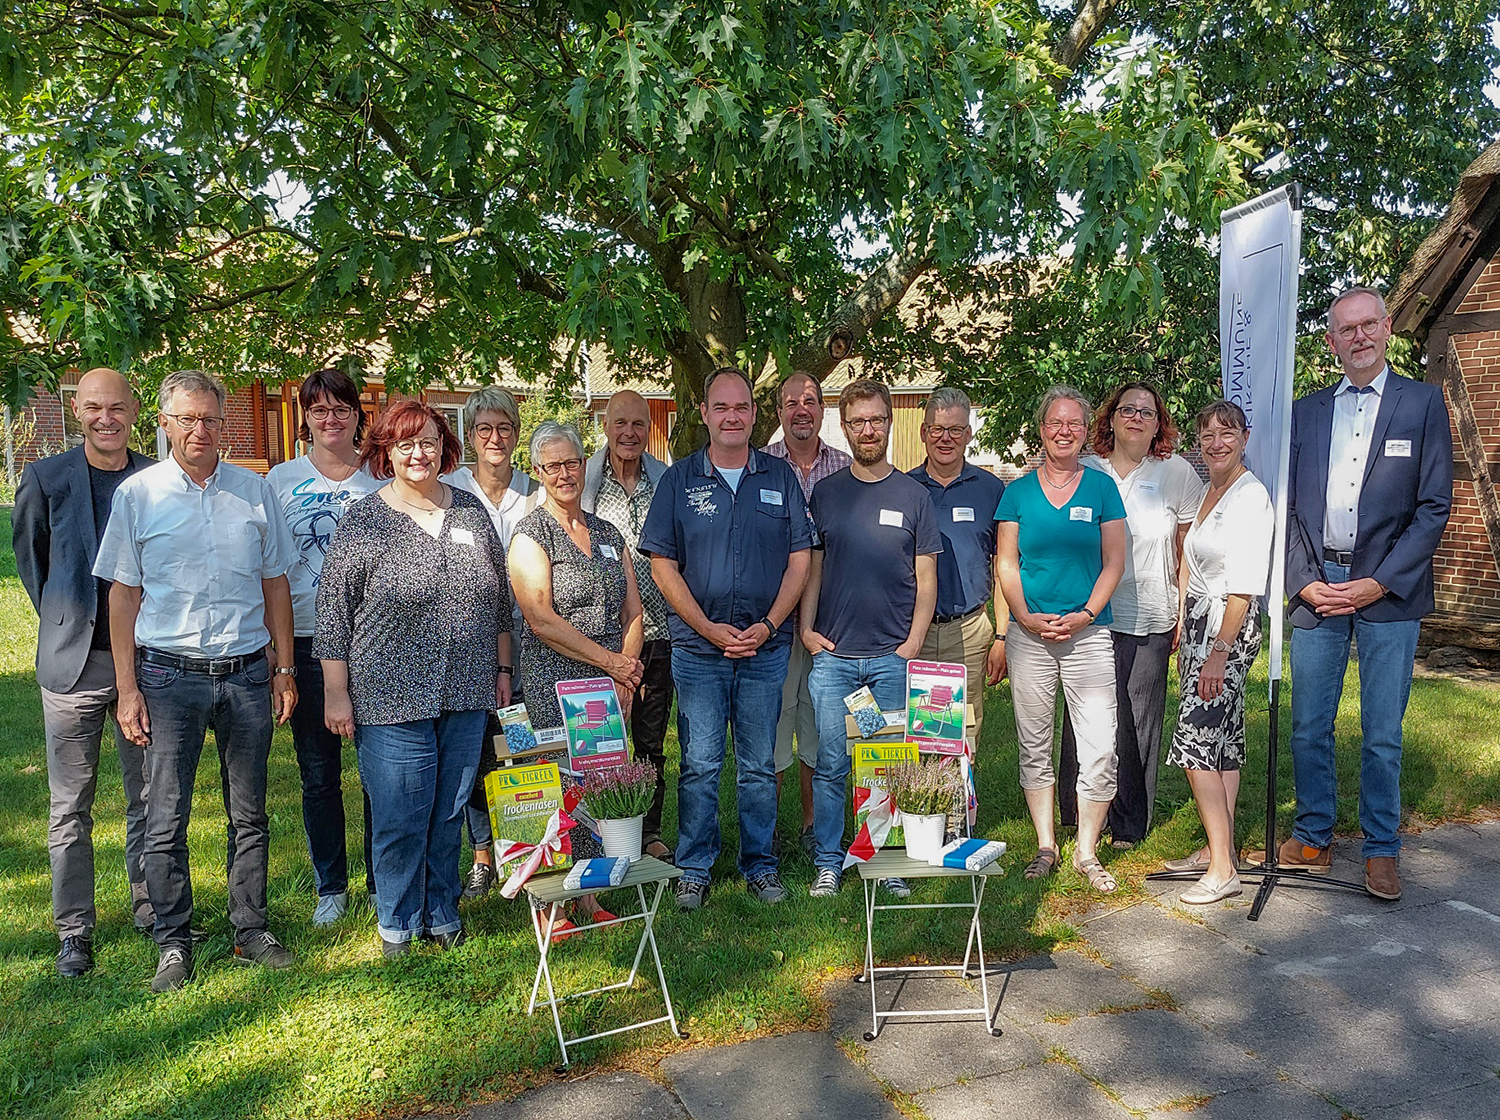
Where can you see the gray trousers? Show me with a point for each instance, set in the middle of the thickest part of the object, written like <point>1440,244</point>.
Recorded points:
<point>74,723</point>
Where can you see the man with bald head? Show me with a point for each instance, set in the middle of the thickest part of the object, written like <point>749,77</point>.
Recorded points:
<point>62,505</point>
<point>618,486</point>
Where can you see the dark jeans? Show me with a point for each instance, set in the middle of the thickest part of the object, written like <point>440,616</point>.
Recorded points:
<point>648,724</point>
<point>182,707</point>
<point>320,760</point>
<point>1141,703</point>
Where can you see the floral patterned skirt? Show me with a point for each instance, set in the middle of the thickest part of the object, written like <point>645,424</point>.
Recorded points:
<point>1210,734</point>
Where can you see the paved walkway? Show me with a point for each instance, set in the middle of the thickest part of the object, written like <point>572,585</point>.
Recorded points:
<point>1331,1006</point>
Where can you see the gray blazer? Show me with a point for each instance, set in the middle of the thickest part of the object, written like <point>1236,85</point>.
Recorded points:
<point>593,475</point>
<point>56,543</point>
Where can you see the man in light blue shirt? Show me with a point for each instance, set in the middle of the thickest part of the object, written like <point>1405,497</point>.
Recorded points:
<point>199,552</point>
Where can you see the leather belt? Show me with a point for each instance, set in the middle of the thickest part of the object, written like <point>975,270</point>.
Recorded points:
<point>213,666</point>
<point>1344,558</point>
<point>940,619</point>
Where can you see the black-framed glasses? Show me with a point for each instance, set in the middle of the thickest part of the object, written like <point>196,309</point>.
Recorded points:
<point>1130,412</point>
<point>562,466</point>
<point>956,432</point>
<point>188,423</point>
<point>1065,425</point>
<point>323,412</point>
<point>873,423</point>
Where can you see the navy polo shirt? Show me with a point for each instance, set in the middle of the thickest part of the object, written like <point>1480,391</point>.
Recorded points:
<point>731,546</point>
<point>966,519</point>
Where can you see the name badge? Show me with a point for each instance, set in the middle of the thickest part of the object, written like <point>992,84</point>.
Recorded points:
<point>771,497</point>
<point>1398,448</point>
<point>608,552</point>
<point>1146,488</point>
<point>891,517</point>
<point>1080,513</point>
<point>963,513</point>
<point>462,536</point>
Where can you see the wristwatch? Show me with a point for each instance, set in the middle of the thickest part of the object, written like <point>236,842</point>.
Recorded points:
<point>1221,646</point>
<point>509,670</point>
<point>286,670</point>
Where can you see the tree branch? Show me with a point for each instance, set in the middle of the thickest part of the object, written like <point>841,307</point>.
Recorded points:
<point>1088,22</point>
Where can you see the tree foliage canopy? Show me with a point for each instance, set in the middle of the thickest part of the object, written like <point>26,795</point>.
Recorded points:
<point>252,185</point>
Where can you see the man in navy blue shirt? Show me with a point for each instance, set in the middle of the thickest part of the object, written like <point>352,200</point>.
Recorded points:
<point>965,498</point>
<point>728,536</point>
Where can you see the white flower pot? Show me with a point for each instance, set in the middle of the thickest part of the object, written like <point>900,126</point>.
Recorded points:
<point>622,837</point>
<point>924,835</point>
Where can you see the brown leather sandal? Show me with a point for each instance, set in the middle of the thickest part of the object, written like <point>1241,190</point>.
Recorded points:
<point>1043,865</point>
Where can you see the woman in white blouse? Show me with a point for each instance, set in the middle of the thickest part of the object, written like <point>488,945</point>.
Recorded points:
<point>1226,559</point>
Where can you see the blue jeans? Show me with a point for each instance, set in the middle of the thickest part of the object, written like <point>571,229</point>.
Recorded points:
<point>320,761</point>
<point>743,694</point>
<point>1319,658</point>
<point>831,679</point>
<point>418,776</point>
<point>182,706</point>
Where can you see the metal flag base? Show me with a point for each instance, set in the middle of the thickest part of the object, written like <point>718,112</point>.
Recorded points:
<point>1270,873</point>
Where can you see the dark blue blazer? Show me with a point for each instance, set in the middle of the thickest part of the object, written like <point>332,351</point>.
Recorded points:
<point>1403,505</point>
<point>56,545</point>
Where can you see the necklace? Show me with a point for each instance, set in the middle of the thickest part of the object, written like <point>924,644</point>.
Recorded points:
<point>436,508</point>
<point>1064,482</point>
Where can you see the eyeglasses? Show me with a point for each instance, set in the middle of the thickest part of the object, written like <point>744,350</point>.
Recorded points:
<point>1371,328</point>
<point>188,423</point>
<point>411,446</point>
<point>1130,412</point>
<point>955,433</point>
<point>488,432</point>
<point>874,423</point>
<point>1064,425</point>
<point>562,466</point>
<point>323,412</point>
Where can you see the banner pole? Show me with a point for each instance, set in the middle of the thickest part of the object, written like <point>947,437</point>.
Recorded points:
<point>1273,738</point>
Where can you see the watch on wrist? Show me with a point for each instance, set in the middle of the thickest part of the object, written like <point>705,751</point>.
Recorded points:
<point>770,627</point>
<point>286,670</point>
<point>1221,646</point>
<point>508,670</point>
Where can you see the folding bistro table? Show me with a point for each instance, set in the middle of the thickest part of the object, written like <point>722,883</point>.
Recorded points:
<point>548,889</point>
<point>893,862</point>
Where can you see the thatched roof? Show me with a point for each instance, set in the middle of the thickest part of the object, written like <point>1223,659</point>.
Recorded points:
<point>1443,261</point>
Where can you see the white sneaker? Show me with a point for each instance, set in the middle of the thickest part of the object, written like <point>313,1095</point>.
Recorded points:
<point>331,907</point>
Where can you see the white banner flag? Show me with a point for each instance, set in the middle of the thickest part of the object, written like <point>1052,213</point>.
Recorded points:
<point>1260,250</point>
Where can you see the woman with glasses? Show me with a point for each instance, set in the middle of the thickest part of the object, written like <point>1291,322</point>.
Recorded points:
<point>492,421</point>
<point>581,611</point>
<point>316,491</point>
<point>1060,554</point>
<point>1226,560</point>
<point>1134,442</point>
<point>414,620</point>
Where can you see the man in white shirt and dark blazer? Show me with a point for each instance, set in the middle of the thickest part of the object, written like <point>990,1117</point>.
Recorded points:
<point>1370,488</point>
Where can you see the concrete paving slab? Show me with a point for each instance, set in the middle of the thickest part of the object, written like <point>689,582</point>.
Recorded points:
<point>1277,1100</point>
<point>606,1096</point>
<point>1049,1091</point>
<point>1060,986</point>
<point>1153,1057</point>
<point>803,1076</point>
<point>1469,1103</point>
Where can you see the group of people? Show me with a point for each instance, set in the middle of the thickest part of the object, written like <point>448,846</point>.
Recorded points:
<point>375,590</point>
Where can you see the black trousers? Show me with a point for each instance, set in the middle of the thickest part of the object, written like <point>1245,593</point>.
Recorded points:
<point>648,724</point>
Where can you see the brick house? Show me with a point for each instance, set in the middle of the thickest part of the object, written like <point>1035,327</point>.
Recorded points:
<point>1448,301</point>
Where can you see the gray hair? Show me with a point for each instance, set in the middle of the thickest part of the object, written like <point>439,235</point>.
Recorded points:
<point>189,381</point>
<point>550,431</point>
<point>1357,290</point>
<point>948,397</point>
<point>491,398</point>
<point>1061,393</point>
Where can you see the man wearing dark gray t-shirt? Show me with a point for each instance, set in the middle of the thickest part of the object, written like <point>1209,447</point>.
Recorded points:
<point>869,600</point>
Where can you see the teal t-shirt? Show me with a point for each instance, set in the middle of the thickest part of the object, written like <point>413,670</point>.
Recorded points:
<point>1061,557</point>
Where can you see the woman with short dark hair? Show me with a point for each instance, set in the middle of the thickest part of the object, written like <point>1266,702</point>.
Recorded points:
<point>414,634</point>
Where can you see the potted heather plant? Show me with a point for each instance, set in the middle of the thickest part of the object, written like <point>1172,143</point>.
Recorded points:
<point>925,793</point>
<point>617,798</point>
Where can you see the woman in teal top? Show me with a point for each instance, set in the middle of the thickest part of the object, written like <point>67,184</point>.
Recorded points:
<point>1061,551</point>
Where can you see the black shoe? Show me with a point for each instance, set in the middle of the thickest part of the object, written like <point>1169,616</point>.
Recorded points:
<point>390,950</point>
<point>173,968</point>
<point>808,842</point>
<point>767,888</point>
<point>261,947</point>
<point>450,940</point>
<point>776,842</point>
<point>481,878</point>
<point>76,956</point>
<point>690,895</point>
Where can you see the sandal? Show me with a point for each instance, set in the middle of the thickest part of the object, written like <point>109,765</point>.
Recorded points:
<point>562,929</point>
<point>1098,876</point>
<point>1043,865</point>
<point>600,914</point>
<point>665,855</point>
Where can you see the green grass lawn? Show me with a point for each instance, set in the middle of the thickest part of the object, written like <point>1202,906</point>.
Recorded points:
<point>343,1034</point>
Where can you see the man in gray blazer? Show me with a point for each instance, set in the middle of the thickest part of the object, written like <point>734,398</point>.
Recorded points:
<point>62,505</point>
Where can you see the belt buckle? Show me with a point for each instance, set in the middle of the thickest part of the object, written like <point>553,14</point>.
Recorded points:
<point>221,666</point>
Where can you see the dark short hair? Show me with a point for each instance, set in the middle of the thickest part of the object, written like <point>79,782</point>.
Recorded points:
<point>864,389</point>
<point>802,373</point>
<point>405,420</point>
<point>729,371</point>
<point>336,385</point>
<point>1225,412</point>
<point>1162,444</point>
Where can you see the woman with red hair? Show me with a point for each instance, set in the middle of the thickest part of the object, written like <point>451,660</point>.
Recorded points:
<point>414,619</point>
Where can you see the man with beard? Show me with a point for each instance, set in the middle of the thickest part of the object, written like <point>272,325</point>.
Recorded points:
<point>869,600</point>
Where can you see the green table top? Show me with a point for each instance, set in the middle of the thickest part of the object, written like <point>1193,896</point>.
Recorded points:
<point>891,863</point>
<point>548,888</point>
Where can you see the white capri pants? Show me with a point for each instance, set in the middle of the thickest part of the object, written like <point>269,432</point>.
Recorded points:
<point>1085,664</point>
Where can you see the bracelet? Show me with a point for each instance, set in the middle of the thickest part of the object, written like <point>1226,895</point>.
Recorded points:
<point>769,625</point>
<point>508,670</point>
<point>999,637</point>
<point>1092,616</point>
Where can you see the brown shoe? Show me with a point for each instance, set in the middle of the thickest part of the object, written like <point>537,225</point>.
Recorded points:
<point>1382,879</point>
<point>1294,853</point>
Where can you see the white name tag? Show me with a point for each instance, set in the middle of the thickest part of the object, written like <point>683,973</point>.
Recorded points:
<point>1080,513</point>
<point>463,536</point>
<point>1146,488</point>
<point>771,497</point>
<point>1398,448</point>
<point>608,551</point>
<point>891,517</point>
<point>963,513</point>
